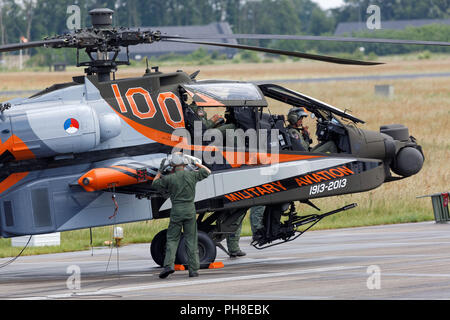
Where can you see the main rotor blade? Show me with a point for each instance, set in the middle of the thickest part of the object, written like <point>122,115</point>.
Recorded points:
<point>312,38</point>
<point>281,52</point>
<point>32,44</point>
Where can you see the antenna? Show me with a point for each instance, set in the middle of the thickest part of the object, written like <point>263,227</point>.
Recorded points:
<point>102,56</point>
<point>146,62</point>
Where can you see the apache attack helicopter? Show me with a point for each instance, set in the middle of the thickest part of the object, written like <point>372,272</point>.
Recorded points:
<point>78,151</point>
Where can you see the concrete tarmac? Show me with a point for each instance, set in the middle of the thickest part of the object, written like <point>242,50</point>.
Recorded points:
<point>404,261</point>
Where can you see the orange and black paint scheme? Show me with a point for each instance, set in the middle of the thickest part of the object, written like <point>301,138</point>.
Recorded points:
<point>290,183</point>
<point>14,149</point>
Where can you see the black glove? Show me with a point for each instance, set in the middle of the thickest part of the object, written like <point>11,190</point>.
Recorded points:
<point>306,136</point>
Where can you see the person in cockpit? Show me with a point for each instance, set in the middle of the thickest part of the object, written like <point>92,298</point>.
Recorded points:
<point>216,121</point>
<point>296,129</point>
<point>300,133</point>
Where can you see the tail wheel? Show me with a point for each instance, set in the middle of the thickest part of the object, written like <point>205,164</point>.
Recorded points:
<point>207,250</point>
<point>158,248</point>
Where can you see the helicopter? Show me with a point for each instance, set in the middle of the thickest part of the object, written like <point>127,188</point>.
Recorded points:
<point>74,151</point>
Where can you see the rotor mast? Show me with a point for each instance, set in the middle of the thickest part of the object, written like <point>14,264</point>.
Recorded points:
<point>101,65</point>
<point>102,43</point>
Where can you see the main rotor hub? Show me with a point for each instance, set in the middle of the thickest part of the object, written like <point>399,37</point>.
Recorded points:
<point>101,18</point>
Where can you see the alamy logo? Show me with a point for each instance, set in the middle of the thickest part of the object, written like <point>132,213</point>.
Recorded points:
<point>74,280</point>
<point>374,280</point>
<point>374,20</point>
<point>74,20</point>
<point>252,147</point>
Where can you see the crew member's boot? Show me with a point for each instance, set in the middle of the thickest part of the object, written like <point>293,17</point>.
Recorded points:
<point>166,272</point>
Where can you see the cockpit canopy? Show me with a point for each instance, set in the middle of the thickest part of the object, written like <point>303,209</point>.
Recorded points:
<point>298,99</point>
<point>225,94</point>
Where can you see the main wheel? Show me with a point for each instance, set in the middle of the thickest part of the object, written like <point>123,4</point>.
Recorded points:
<point>207,250</point>
<point>158,248</point>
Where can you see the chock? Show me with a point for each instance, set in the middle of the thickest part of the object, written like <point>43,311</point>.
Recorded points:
<point>179,267</point>
<point>216,265</point>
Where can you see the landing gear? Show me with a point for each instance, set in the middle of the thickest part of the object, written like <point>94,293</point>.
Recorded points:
<point>211,231</point>
<point>158,247</point>
<point>206,249</point>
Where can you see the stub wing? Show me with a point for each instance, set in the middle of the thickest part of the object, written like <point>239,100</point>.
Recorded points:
<point>259,184</point>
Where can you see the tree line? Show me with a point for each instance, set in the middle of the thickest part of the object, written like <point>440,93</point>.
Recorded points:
<point>35,19</point>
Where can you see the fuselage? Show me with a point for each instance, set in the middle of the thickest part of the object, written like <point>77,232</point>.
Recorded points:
<point>65,150</point>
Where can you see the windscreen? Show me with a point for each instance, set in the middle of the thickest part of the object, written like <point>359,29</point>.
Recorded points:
<point>227,93</point>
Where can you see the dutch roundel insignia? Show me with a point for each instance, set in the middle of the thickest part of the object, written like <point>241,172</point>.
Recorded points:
<point>71,125</point>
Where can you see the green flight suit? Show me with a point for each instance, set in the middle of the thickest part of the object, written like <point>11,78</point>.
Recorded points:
<point>256,223</point>
<point>203,115</point>
<point>297,134</point>
<point>233,239</point>
<point>209,124</point>
<point>257,218</point>
<point>325,147</point>
<point>181,188</point>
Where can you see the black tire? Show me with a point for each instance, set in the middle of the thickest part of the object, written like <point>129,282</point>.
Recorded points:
<point>158,248</point>
<point>207,250</point>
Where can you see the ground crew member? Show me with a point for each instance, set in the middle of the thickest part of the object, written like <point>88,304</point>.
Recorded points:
<point>233,240</point>
<point>217,122</point>
<point>257,220</point>
<point>181,188</point>
<point>256,223</point>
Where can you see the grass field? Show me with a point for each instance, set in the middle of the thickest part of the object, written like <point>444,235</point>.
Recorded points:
<point>423,105</point>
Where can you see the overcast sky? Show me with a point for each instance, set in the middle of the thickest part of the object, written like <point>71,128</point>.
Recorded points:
<point>327,4</point>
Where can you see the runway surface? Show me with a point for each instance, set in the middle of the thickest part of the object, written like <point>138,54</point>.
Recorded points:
<point>405,261</point>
